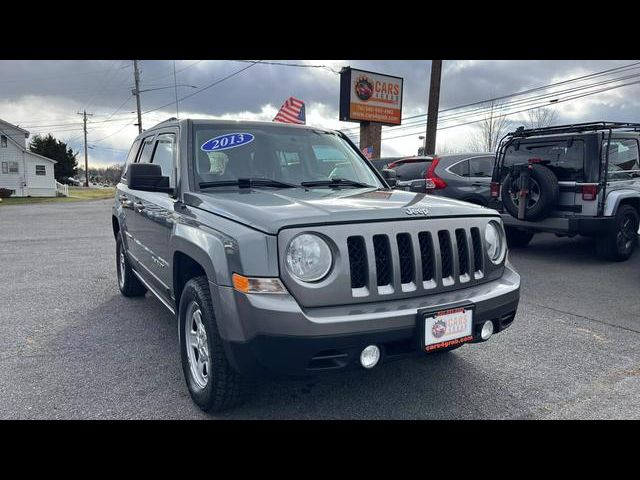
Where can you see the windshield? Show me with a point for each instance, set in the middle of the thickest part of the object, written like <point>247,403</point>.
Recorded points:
<point>565,158</point>
<point>288,155</point>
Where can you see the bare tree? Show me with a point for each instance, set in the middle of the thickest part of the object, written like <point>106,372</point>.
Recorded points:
<point>541,117</point>
<point>490,130</point>
<point>445,148</point>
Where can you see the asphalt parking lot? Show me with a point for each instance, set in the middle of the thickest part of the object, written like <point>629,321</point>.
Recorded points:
<point>71,347</point>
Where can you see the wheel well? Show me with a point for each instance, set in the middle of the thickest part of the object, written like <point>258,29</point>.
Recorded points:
<point>184,269</point>
<point>476,201</point>
<point>634,202</point>
<point>116,225</point>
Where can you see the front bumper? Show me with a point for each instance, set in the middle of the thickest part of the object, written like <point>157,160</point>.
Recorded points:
<point>272,333</point>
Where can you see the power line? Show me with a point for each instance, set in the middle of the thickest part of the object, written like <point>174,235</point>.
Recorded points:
<point>626,67</point>
<point>203,88</point>
<point>50,77</point>
<point>527,109</point>
<point>283,64</point>
<point>522,102</point>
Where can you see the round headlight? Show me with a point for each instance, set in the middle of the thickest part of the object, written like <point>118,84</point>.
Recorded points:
<point>308,258</point>
<point>495,242</point>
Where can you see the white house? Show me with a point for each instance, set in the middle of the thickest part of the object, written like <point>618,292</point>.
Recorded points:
<point>25,172</point>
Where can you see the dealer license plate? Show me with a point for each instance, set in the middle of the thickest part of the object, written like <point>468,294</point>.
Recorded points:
<point>447,328</point>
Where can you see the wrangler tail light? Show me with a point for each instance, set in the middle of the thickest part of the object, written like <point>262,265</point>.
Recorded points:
<point>495,189</point>
<point>589,192</point>
<point>438,182</point>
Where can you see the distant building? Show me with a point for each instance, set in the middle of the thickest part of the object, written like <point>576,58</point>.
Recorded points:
<point>21,170</point>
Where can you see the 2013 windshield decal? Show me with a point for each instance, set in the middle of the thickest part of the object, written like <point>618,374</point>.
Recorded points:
<point>227,141</point>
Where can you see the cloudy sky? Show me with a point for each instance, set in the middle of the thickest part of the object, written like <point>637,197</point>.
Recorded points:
<point>45,96</point>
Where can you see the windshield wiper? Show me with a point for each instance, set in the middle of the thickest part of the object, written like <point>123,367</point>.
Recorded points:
<point>336,182</point>
<point>248,183</point>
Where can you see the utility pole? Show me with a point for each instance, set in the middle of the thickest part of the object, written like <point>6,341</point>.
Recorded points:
<point>86,161</point>
<point>136,92</point>
<point>434,103</point>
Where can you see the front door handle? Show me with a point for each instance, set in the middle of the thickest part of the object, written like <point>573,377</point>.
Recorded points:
<point>138,206</point>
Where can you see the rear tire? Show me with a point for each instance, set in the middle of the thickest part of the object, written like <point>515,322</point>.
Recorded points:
<point>128,283</point>
<point>518,238</point>
<point>619,243</point>
<point>212,382</point>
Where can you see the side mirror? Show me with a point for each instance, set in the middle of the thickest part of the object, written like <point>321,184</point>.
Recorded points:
<point>390,176</point>
<point>147,177</point>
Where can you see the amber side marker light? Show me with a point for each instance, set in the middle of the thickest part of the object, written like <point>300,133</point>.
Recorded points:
<point>257,284</point>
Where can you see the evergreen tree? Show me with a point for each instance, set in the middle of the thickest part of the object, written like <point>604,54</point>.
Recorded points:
<point>49,147</point>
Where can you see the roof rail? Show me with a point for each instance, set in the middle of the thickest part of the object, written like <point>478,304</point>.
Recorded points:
<point>574,128</point>
<point>165,121</point>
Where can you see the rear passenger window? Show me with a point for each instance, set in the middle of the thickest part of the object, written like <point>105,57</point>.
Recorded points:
<point>460,168</point>
<point>164,154</point>
<point>623,159</point>
<point>481,167</point>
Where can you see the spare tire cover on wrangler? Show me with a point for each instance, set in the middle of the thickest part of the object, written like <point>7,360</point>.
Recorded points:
<point>543,193</point>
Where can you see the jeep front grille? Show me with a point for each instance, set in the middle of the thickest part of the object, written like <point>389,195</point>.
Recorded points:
<point>442,264</point>
<point>388,260</point>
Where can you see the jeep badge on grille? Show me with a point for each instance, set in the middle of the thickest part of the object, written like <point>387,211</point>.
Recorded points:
<point>417,211</point>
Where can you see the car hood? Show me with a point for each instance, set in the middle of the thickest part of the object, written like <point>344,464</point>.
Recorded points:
<point>270,210</point>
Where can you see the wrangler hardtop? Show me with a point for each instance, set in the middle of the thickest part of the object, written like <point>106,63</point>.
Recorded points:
<point>578,179</point>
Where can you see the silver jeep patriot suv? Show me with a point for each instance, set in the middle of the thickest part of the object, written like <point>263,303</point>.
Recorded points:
<point>281,249</point>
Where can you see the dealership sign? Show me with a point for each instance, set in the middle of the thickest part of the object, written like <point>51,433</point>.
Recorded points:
<point>370,97</point>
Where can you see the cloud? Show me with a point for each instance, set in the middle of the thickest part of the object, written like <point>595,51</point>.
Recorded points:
<point>45,96</point>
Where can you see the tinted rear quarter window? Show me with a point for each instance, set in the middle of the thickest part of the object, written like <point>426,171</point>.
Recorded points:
<point>460,168</point>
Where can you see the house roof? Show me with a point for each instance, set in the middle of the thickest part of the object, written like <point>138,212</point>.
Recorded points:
<point>14,126</point>
<point>24,149</point>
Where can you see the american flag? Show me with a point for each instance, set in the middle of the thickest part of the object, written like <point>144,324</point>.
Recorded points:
<point>291,111</point>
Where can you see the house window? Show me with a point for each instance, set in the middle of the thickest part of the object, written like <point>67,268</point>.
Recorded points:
<point>3,141</point>
<point>41,170</point>
<point>13,167</point>
<point>5,167</point>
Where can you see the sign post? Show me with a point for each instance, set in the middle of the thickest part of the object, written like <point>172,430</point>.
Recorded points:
<point>373,100</point>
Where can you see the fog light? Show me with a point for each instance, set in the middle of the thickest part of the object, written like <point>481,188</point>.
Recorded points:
<point>487,330</point>
<point>370,356</point>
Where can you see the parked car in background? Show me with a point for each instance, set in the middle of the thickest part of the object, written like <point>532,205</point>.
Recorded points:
<point>581,179</point>
<point>465,177</point>
<point>381,163</point>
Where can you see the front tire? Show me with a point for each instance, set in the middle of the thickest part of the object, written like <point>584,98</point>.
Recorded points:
<point>619,243</point>
<point>128,283</point>
<point>213,384</point>
<point>518,238</point>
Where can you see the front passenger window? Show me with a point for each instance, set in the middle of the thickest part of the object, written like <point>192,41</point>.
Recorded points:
<point>164,155</point>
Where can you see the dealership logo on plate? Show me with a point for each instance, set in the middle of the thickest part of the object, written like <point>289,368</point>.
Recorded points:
<point>438,329</point>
